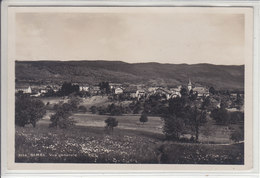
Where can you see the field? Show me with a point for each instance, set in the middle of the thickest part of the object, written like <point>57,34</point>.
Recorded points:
<point>209,133</point>
<point>130,142</point>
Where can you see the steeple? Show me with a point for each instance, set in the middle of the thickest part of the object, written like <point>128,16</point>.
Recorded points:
<point>189,85</point>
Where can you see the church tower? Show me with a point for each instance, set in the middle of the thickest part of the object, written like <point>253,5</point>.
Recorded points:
<point>189,85</point>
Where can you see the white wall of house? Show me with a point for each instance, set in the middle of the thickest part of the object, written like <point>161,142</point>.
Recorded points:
<point>118,90</point>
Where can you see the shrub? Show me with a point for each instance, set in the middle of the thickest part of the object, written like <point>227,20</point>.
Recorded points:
<point>28,111</point>
<point>93,109</point>
<point>115,110</point>
<point>61,119</point>
<point>74,102</point>
<point>111,122</point>
<point>82,109</point>
<point>237,135</point>
<point>101,110</point>
<point>55,106</point>
<point>220,115</point>
<point>68,88</point>
<point>143,118</point>
<point>236,117</point>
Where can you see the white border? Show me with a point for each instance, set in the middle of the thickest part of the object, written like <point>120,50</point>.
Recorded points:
<point>4,83</point>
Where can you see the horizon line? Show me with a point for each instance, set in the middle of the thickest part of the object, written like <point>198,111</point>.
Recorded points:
<point>127,62</point>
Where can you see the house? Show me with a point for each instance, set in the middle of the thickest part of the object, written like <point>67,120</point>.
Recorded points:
<point>83,87</point>
<point>164,92</point>
<point>24,89</point>
<point>55,88</point>
<point>201,91</point>
<point>94,90</point>
<point>118,90</point>
<point>36,94</point>
<point>152,90</point>
<point>115,85</point>
<point>43,90</point>
<point>140,93</point>
<point>174,95</point>
<point>175,92</point>
<point>130,91</point>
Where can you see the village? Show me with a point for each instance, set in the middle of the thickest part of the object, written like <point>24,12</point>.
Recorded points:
<point>134,92</point>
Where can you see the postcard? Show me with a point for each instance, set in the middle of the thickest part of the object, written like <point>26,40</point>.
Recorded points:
<point>130,88</point>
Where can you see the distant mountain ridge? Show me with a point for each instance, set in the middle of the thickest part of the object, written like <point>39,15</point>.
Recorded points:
<point>150,74</point>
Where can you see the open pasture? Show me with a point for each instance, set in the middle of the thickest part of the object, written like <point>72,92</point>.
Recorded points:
<point>209,132</point>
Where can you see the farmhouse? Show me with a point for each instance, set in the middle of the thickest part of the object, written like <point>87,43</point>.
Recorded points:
<point>84,87</point>
<point>44,90</point>
<point>175,92</point>
<point>201,91</point>
<point>152,90</point>
<point>140,93</point>
<point>165,92</point>
<point>118,90</point>
<point>115,85</point>
<point>131,91</point>
<point>24,89</point>
<point>94,90</point>
<point>55,88</point>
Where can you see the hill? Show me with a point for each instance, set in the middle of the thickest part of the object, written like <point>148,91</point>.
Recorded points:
<point>152,74</point>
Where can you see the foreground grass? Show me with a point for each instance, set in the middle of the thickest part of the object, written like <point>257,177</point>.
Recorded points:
<point>94,145</point>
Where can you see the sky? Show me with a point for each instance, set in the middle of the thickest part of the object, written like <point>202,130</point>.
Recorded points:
<point>191,38</point>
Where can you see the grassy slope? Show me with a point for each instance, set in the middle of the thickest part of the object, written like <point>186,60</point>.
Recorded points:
<point>95,145</point>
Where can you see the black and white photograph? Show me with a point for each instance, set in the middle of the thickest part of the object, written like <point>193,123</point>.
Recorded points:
<point>131,85</point>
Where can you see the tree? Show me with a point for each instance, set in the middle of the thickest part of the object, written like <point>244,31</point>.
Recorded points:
<point>196,118</point>
<point>175,119</point>
<point>143,118</point>
<point>137,107</point>
<point>28,111</point>
<point>236,117</point>
<point>184,114</point>
<point>82,109</point>
<point>50,92</point>
<point>205,103</point>
<point>220,115</point>
<point>93,109</point>
<point>115,110</point>
<point>61,119</point>
<point>104,87</point>
<point>212,90</point>
<point>237,134</point>
<point>68,88</point>
<point>74,102</point>
<point>193,95</point>
<point>238,101</point>
<point>101,110</point>
<point>184,92</point>
<point>111,122</point>
<point>173,127</point>
<point>177,106</point>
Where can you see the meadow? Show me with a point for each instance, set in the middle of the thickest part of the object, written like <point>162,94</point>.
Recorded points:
<point>131,142</point>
